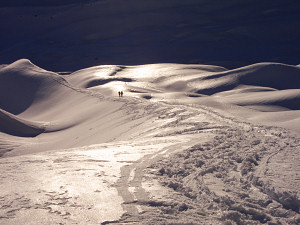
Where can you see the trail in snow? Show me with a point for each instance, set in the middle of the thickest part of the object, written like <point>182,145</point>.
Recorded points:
<point>213,169</point>
<point>158,155</point>
<point>246,174</point>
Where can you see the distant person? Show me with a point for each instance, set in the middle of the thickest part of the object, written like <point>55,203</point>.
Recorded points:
<point>121,93</point>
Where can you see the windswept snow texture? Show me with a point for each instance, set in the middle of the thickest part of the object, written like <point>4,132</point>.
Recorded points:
<point>67,35</point>
<point>186,144</point>
<point>263,92</point>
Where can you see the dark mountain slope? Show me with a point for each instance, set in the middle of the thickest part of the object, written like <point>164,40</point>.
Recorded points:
<point>60,36</point>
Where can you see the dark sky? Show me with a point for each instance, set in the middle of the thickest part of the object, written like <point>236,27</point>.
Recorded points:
<point>227,33</point>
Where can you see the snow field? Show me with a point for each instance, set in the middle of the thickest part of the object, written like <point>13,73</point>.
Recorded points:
<point>179,157</point>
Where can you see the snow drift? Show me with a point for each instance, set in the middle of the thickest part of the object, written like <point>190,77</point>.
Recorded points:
<point>175,148</point>
<point>12,125</point>
<point>264,90</point>
<point>35,101</point>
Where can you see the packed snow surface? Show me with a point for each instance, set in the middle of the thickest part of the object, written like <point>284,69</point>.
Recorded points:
<point>186,144</point>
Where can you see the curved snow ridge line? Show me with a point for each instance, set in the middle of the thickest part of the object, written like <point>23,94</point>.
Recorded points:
<point>24,85</point>
<point>263,92</point>
<point>273,75</point>
<point>289,99</point>
<point>60,80</point>
<point>99,82</point>
<point>97,76</point>
<point>11,124</point>
<point>22,66</point>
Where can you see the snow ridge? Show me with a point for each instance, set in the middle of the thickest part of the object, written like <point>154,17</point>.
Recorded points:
<point>161,154</point>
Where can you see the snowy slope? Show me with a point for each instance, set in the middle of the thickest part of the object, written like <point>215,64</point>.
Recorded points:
<point>267,92</point>
<point>47,101</point>
<point>175,149</point>
<point>188,143</point>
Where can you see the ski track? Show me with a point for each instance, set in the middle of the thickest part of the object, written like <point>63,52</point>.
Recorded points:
<point>191,165</point>
<point>253,186</point>
<point>218,207</point>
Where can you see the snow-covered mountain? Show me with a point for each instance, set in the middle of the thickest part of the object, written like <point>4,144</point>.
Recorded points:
<point>206,132</point>
<point>185,144</point>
